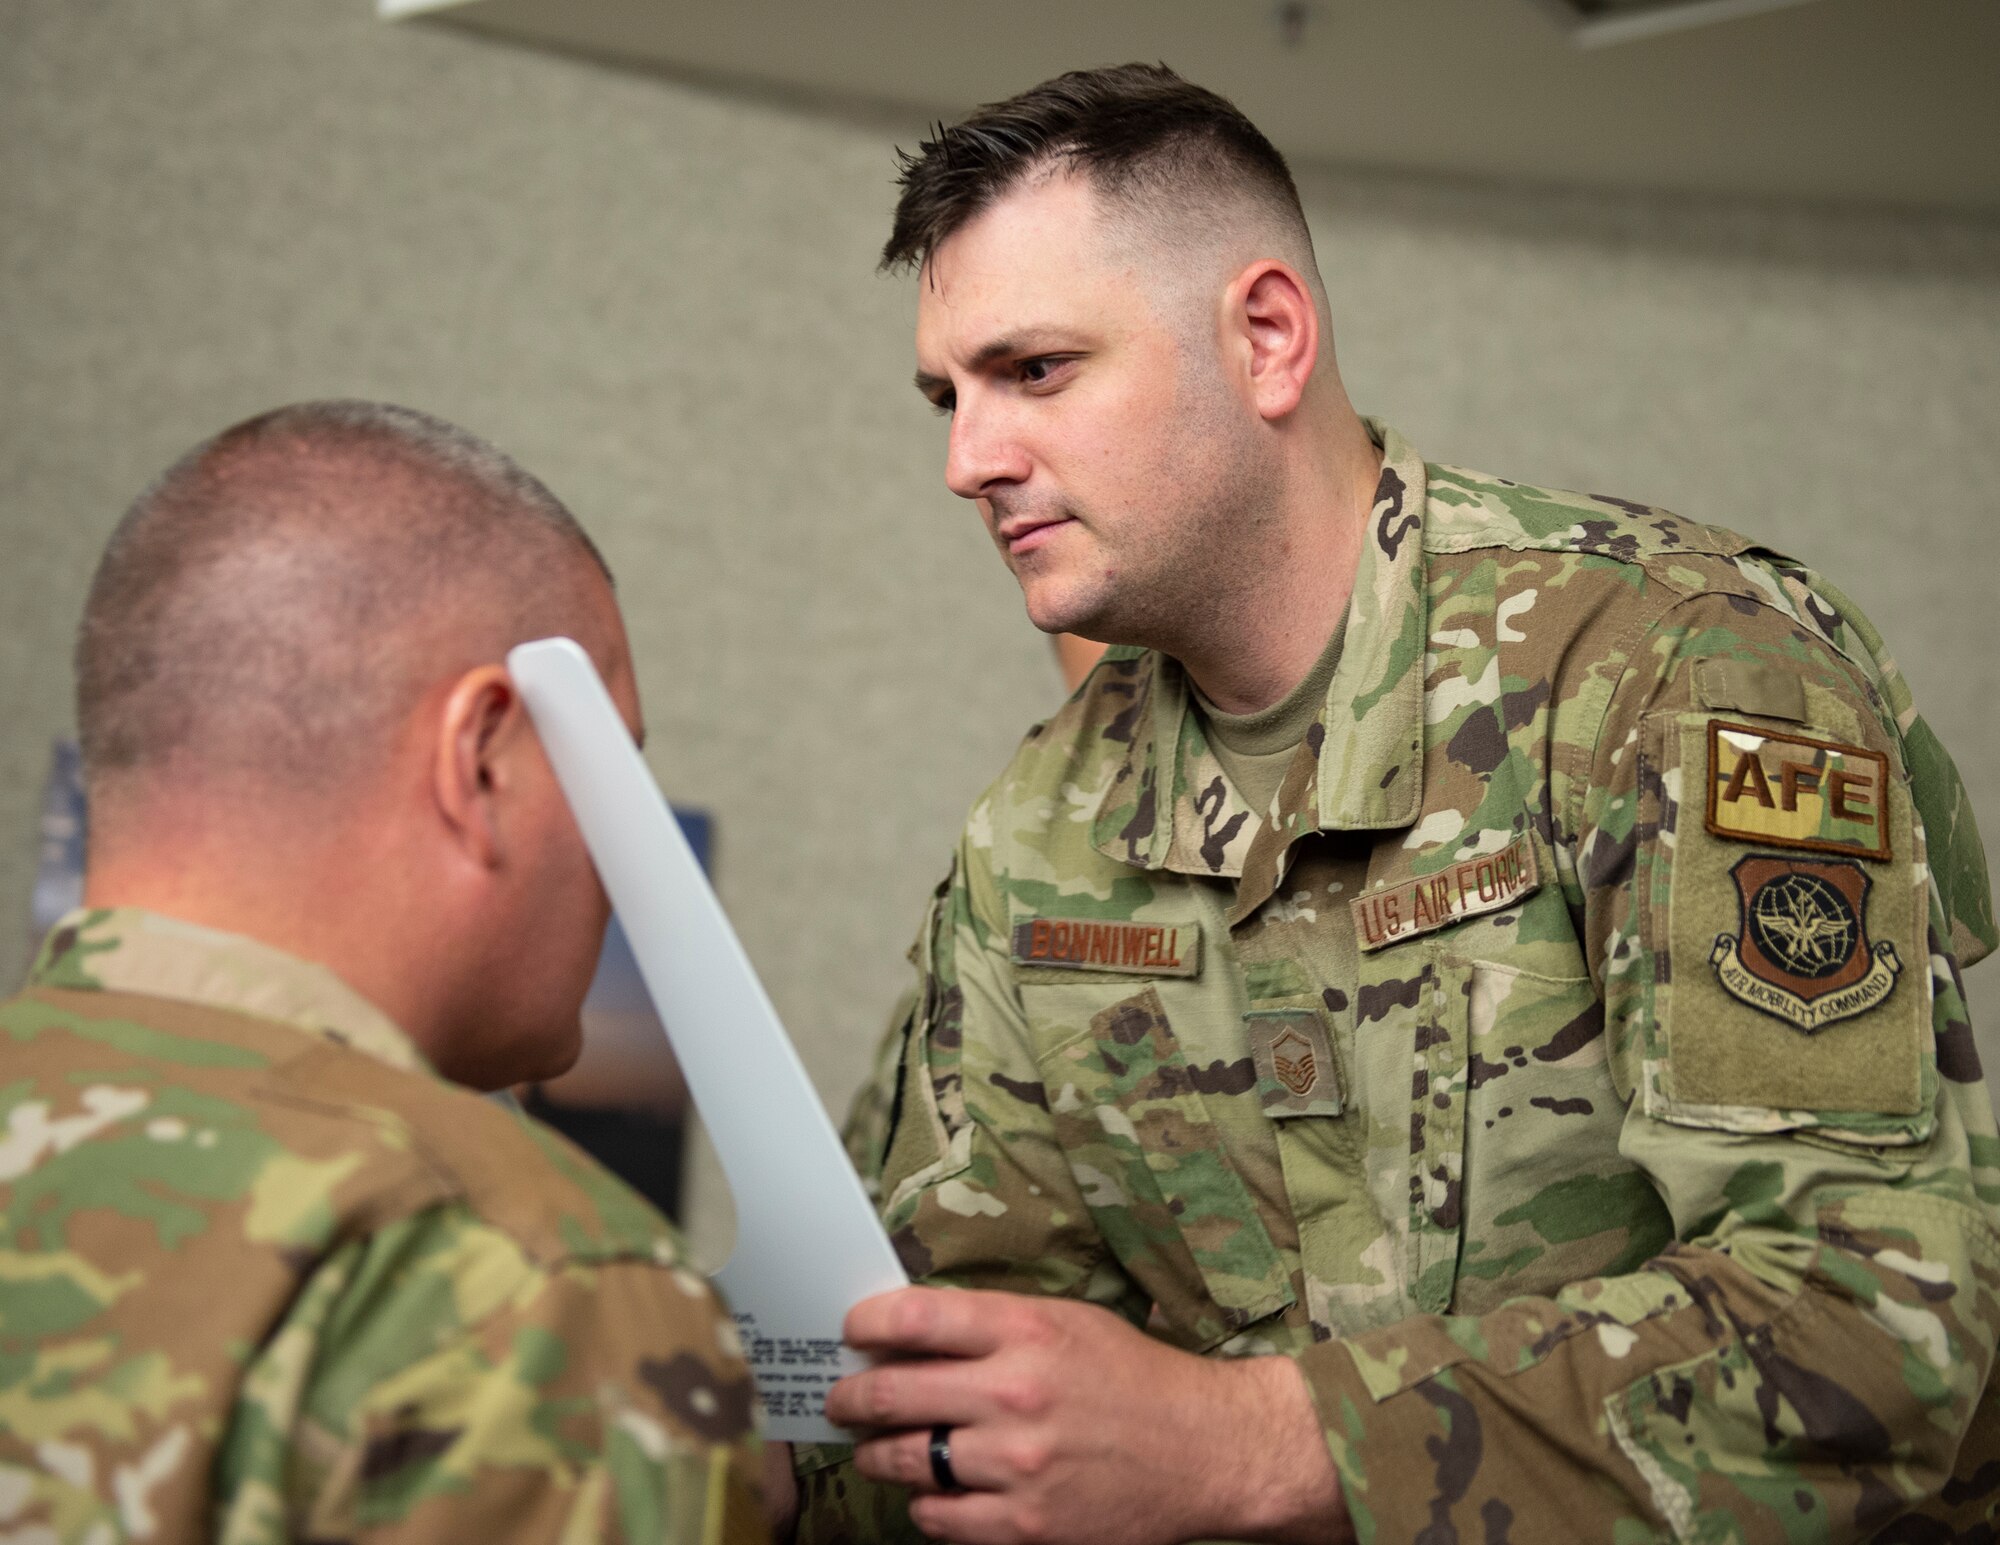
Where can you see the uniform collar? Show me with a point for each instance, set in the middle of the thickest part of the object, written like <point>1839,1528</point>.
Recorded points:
<point>124,949</point>
<point>1361,767</point>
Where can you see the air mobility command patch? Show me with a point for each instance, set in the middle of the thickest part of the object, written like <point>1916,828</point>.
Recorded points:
<point>1787,791</point>
<point>1795,905</point>
<point>1801,949</point>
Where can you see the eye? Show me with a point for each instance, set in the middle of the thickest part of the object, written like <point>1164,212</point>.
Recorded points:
<point>943,404</point>
<point>1042,369</point>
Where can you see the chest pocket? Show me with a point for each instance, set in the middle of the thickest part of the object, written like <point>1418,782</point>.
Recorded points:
<point>1491,1036</point>
<point>1130,1113</point>
<point>1411,1055</point>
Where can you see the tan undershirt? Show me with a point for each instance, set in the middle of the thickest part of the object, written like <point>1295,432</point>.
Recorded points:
<point>1256,748</point>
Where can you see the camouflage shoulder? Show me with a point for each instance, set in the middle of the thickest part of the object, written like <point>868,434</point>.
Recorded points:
<point>1956,856</point>
<point>429,1366</point>
<point>1468,510</point>
<point>312,1114</point>
<point>516,1173</point>
<point>330,1208</point>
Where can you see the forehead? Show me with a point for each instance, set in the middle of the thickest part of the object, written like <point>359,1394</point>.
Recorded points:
<point>1038,257</point>
<point>597,622</point>
<point>622,682</point>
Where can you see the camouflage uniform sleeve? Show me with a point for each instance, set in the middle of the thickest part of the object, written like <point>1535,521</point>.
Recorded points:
<point>433,1382</point>
<point>1804,1359</point>
<point>1957,858</point>
<point>975,1189</point>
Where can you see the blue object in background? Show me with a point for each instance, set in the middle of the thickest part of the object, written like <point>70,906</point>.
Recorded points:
<point>699,829</point>
<point>624,1101</point>
<point>617,988</point>
<point>59,861</point>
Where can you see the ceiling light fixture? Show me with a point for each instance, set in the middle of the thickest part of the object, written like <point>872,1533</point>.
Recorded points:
<point>1599,23</point>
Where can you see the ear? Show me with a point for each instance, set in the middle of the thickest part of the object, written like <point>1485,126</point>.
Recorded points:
<point>481,721</point>
<point>1273,311</point>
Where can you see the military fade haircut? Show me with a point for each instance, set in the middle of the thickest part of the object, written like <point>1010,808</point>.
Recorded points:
<point>1152,144</point>
<point>277,600</point>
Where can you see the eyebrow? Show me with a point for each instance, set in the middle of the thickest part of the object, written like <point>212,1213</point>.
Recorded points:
<point>1025,343</point>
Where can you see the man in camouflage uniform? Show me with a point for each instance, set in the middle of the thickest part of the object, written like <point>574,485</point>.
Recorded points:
<point>265,1273</point>
<point>1485,981</point>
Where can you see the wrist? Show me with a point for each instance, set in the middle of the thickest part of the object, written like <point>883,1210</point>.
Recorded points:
<point>1278,1483</point>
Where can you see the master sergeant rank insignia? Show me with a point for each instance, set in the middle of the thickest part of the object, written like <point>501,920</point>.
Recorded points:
<point>1296,1071</point>
<point>1294,1062</point>
<point>1801,952</point>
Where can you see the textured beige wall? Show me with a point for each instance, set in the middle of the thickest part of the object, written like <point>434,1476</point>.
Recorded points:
<point>662,299</point>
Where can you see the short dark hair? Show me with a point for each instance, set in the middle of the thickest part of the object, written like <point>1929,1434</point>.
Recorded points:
<point>273,600</point>
<point>1134,129</point>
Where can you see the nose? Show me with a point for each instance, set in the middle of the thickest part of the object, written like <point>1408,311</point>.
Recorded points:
<point>985,450</point>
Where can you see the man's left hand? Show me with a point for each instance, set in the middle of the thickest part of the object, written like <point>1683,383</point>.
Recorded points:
<point>1067,1425</point>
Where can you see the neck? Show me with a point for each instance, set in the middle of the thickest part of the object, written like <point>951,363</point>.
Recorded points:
<point>290,883</point>
<point>1262,635</point>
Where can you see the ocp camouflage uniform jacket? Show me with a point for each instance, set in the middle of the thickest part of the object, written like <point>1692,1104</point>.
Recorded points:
<point>1570,1070</point>
<point>265,1277</point>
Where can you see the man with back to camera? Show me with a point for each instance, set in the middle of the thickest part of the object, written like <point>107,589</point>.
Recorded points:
<point>266,1273</point>
<point>1452,1033</point>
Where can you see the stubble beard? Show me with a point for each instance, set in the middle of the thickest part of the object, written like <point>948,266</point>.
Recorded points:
<point>1187,579</point>
<point>1178,577</point>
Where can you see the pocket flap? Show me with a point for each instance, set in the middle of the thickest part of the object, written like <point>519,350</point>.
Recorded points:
<point>1153,1168</point>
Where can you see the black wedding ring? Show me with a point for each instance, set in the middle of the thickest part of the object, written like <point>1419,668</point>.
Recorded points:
<point>941,1470</point>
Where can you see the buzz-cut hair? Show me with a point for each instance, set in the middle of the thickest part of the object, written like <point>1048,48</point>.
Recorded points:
<point>274,601</point>
<point>1145,138</point>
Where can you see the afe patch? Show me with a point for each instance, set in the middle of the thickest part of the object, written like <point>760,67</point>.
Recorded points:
<point>1466,889</point>
<point>1801,950</point>
<point>1088,944</point>
<point>1789,791</point>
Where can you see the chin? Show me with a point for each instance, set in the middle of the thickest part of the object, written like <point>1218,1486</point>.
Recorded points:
<point>527,1059</point>
<point>557,1058</point>
<point>1061,614</point>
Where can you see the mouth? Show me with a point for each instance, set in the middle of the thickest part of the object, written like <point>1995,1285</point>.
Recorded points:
<point>1021,535</point>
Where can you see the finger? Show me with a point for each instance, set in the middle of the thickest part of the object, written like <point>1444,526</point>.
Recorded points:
<point>904,1459</point>
<point>979,1518</point>
<point>934,1321</point>
<point>918,1393</point>
<point>781,1489</point>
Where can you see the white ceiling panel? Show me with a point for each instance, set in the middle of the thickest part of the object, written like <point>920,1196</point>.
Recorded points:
<point>1873,101</point>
